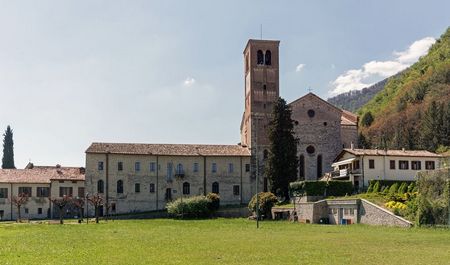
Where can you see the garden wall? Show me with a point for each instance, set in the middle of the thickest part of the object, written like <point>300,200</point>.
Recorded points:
<point>372,214</point>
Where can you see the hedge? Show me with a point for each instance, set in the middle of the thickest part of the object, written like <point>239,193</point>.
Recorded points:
<point>321,188</point>
<point>388,183</point>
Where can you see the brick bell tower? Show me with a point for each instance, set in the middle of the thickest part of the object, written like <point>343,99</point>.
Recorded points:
<point>261,72</point>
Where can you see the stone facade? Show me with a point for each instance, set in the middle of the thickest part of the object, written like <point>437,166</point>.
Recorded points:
<point>137,182</point>
<point>319,134</point>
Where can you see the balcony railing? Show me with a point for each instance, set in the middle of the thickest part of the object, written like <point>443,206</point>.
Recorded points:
<point>342,173</point>
<point>179,173</point>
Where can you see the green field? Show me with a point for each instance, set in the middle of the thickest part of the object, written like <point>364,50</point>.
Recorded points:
<point>219,241</point>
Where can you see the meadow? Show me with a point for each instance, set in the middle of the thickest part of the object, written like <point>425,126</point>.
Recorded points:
<point>219,241</point>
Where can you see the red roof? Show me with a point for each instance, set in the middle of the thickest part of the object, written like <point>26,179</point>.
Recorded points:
<point>168,149</point>
<point>41,174</point>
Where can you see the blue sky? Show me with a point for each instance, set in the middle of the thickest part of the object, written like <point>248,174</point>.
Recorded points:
<point>74,72</point>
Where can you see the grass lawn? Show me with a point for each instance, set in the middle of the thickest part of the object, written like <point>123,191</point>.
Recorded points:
<point>220,241</point>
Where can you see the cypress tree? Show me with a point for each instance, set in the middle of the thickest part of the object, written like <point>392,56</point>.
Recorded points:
<point>8,149</point>
<point>283,161</point>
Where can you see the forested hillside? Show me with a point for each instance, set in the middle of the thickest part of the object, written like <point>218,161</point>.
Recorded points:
<point>355,99</point>
<point>413,109</point>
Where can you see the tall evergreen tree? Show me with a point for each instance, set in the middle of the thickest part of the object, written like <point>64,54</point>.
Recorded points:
<point>8,149</point>
<point>446,126</point>
<point>283,161</point>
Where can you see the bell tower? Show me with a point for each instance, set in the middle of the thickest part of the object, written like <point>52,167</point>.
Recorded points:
<point>261,75</point>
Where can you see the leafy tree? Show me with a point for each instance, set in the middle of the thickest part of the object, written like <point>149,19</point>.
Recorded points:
<point>8,149</point>
<point>367,119</point>
<point>283,161</point>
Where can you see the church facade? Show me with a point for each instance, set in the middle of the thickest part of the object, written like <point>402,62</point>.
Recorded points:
<point>323,130</point>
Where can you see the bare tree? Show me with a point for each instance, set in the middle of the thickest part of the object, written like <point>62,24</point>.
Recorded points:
<point>61,203</point>
<point>79,202</point>
<point>18,201</point>
<point>97,201</point>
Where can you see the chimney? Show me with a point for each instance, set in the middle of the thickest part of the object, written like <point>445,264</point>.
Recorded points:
<point>403,150</point>
<point>82,170</point>
<point>352,146</point>
<point>58,166</point>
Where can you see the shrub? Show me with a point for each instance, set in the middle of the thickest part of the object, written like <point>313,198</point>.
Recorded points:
<point>403,188</point>
<point>393,189</point>
<point>193,207</point>
<point>339,188</point>
<point>213,201</point>
<point>411,187</point>
<point>266,201</point>
<point>370,188</point>
<point>376,187</point>
<point>321,188</point>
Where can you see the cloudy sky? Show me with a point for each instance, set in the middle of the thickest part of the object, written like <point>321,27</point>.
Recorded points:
<point>74,72</point>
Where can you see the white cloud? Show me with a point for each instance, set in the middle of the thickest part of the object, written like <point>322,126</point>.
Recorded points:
<point>299,67</point>
<point>417,49</point>
<point>188,82</point>
<point>357,79</point>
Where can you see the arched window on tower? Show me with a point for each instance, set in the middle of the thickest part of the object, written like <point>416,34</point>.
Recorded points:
<point>319,166</point>
<point>215,187</point>
<point>100,186</point>
<point>268,58</point>
<point>301,167</point>
<point>119,186</point>
<point>260,57</point>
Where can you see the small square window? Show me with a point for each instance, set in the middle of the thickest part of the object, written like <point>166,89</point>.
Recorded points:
<point>247,167</point>
<point>403,164</point>
<point>39,210</point>
<point>120,166</point>
<point>214,168</point>
<point>429,165</point>
<point>26,210</point>
<point>100,165</point>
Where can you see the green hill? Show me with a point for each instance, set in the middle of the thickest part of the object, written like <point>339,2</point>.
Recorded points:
<point>403,114</point>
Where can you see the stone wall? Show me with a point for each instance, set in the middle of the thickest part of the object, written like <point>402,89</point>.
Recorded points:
<point>375,215</point>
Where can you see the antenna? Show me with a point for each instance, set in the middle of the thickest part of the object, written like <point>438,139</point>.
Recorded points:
<point>309,89</point>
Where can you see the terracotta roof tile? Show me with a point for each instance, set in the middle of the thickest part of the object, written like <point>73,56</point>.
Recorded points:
<point>41,174</point>
<point>375,152</point>
<point>169,149</point>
